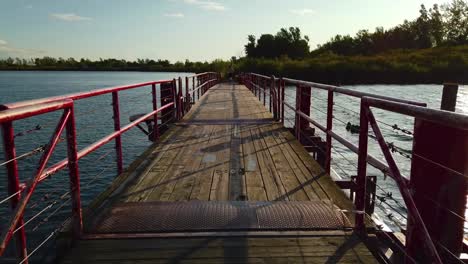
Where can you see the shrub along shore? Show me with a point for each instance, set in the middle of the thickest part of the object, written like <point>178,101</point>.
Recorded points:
<point>433,65</point>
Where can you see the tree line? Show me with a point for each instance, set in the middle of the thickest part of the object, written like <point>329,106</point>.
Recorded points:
<point>71,64</point>
<point>437,27</point>
<point>433,48</point>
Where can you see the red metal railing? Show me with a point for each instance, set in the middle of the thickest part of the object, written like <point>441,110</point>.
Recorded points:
<point>26,190</point>
<point>260,84</point>
<point>20,193</point>
<point>432,115</point>
<point>200,84</point>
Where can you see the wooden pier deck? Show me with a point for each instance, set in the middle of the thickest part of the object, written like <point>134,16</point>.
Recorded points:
<point>226,152</point>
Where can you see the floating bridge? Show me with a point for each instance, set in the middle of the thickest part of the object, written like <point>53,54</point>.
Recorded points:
<point>226,182</point>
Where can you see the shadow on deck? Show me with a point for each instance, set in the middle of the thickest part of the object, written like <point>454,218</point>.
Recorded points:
<point>227,184</point>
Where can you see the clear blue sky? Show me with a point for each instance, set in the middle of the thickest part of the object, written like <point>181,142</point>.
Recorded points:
<point>180,29</point>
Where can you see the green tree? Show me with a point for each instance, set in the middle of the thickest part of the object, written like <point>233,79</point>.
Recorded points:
<point>456,16</point>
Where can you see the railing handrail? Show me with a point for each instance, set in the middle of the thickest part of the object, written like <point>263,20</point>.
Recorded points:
<point>172,102</point>
<point>97,144</point>
<point>372,160</point>
<point>201,85</point>
<point>26,111</point>
<point>301,111</point>
<point>350,92</point>
<point>200,74</point>
<point>260,75</point>
<point>441,117</point>
<point>80,95</point>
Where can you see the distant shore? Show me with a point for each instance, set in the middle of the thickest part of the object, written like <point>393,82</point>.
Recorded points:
<point>426,66</point>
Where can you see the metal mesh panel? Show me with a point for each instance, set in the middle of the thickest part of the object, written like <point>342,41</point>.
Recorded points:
<point>193,216</point>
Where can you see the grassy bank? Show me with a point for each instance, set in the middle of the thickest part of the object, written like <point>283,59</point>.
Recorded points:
<point>435,65</point>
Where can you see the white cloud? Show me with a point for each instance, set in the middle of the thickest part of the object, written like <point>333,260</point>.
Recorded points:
<point>19,51</point>
<point>175,15</point>
<point>29,6</point>
<point>207,5</point>
<point>302,12</point>
<point>69,17</point>
<point>14,51</point>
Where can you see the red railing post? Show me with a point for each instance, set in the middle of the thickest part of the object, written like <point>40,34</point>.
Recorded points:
<point>329,128</point>
<point>439,194</point>
<point>282,88</point>
<point>180,99</point>
<point>187,95</point>
<point>360,200</point>
<point>118,139</point>
<point>74,175</point>
<point>14,185</point>
<point>259,83</point>
<point>32,184</point>
<point>254,84</point>
<point>155,135</point>
<point>407,194</point>
<point>198,88</point>
<point>272,96</point>
<point>167,97</point>
<point>193,89</point>
<point>297,122</point>
<point>176,100</point>
<point>303,102</point>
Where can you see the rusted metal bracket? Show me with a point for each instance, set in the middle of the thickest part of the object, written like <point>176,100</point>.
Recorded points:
<point>370,189</point>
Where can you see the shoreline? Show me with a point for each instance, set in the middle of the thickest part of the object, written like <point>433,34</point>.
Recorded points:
<point>382,82</point>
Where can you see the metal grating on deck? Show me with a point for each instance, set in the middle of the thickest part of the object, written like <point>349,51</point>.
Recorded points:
<point>201,216</point>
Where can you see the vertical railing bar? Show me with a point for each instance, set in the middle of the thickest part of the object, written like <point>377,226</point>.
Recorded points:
<point>199,88</point>
<point>297,120</point>
<point>14,185</point>
<point>272,90</point>
<point>74,175</point>
<point>155,135</point>
<point>259,89</point>
<point>187,94</point>
<point>254,78</point>
<point>362,169</point>
<point>330,103</point>
<point>118,139</point>
<point>282,85</point>
<point>404,190</point>
<point>174,98</point>
<point>19,210</point>
<point>193,89</point>
<point>180,99</point>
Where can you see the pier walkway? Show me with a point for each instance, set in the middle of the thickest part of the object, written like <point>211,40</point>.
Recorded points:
<point>226,184</point>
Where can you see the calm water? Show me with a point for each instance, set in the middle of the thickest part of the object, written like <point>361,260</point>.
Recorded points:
<point>94,120</point>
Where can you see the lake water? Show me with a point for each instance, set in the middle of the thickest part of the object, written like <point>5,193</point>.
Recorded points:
<point>94,120</point>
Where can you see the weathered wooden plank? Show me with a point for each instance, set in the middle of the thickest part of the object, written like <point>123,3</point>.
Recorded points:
<point>273,186</point>
<point>307,180</point>
<point>165,186</point>
<point>202,186</point>
<point>255,189</point>
<point>220,185</point>
<point>329,187</point>
<point>184,185</point>
<point>332,241</point>
<point>141,189</point>
<point>229,149</point>
<point>293,187</point>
